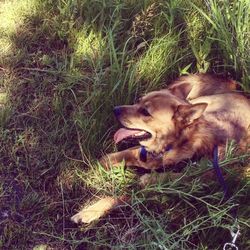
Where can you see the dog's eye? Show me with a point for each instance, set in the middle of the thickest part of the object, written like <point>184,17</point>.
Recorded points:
<point>139,99</point>
<point>144,112</point>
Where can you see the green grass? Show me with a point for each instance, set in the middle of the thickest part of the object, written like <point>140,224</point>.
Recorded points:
<point>64,65</point>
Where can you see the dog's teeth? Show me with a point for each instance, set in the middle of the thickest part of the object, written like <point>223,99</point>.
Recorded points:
<point>140,133</point>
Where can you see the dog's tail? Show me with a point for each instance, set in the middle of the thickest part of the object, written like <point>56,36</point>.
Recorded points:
<point>195,85</point>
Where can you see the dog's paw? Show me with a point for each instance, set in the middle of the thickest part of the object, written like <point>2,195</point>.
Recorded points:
<point>86,216</point>
<point>144,180</point>
<point>147,179</point>
<point>95,211</point>
<point>105,162</point>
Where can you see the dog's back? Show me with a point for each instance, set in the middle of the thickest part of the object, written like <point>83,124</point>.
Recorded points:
<point>228,108</point>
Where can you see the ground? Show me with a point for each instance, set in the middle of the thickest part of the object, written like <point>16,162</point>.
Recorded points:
<point>64,65</point>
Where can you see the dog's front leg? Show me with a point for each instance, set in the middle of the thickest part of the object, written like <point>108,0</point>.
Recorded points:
<point>131,157</point>
<point>98,209</point>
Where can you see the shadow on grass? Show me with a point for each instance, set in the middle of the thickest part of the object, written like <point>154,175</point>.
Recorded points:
<point>49,133</point>
<point>38,186</point>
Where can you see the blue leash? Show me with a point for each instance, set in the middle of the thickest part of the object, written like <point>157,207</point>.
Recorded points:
<point>219,173</point>
<point>221,178</point>
<point>235,229</point>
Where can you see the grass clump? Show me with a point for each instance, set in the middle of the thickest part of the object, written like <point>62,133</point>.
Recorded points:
<point>88,47</point>
<point>199,33</point>
<point>231,33</point>
<point>64,65</point>
<point>161,52</point>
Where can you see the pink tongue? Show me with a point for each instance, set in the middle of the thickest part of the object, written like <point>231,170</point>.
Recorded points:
<point>123,133</point>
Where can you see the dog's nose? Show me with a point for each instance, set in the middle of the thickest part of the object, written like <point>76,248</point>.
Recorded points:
<point>117,111</point>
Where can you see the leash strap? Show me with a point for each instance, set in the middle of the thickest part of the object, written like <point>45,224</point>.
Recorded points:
<point>219,173</point>
<point>229,245</point>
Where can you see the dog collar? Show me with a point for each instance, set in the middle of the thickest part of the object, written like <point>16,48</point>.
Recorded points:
<point>144,153</point>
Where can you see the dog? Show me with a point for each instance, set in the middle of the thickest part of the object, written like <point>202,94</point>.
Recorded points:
<point>155,121</point>
<point>187,119</point>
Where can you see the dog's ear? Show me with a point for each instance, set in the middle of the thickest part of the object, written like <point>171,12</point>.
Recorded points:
<point>180,90</point>
<point>188,113</point>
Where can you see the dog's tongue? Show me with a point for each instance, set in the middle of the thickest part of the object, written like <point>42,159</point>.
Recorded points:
<point>123,133</point>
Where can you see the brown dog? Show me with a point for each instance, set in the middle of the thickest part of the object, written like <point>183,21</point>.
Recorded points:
<point>157,121</point>
<point>173,129</point>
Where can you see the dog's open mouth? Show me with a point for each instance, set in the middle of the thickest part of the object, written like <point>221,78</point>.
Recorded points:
<point>131,135</point>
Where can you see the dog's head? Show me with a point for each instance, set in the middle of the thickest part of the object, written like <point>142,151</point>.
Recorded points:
<point>150,121</point>
<point>157,120</point>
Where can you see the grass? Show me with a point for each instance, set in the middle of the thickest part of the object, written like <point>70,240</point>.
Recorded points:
<point>64,65</point>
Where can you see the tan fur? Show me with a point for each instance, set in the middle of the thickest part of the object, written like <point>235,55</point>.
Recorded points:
<point>98,209</point>
<point>192,86</point>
